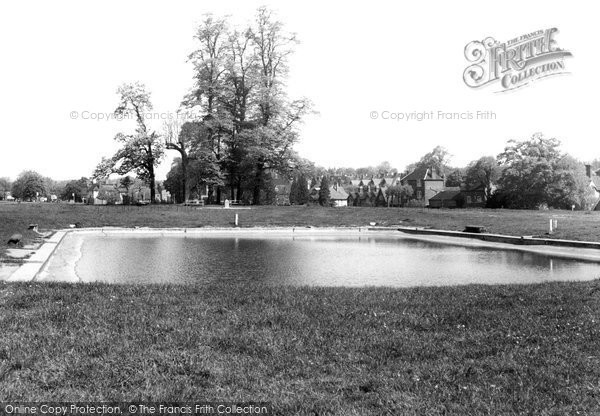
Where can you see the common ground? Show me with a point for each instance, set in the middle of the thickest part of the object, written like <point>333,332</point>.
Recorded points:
<point>518,349</point>
<point>576,225</point>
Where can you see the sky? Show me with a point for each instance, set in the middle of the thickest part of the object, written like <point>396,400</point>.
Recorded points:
<point>360,63</point>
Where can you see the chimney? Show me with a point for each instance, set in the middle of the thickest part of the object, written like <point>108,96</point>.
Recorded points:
<point>588,171</point>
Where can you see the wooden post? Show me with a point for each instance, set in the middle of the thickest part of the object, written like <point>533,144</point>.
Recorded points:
<point>236,220</point>
<point>550,227</point>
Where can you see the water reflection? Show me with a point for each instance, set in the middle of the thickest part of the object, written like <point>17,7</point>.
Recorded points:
<point>321,261</point>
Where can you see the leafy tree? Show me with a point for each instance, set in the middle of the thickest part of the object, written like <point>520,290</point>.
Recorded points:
<point>294,191</point>
<point>204,172</point>
<point>111,196</point>
<point>126,182</point>
<point>400,193</point>
<point>53,187</point>
<point>248,123</point>
<point>174,181</point>
<point>455,178</point>
<point>570,185</point>
<point>535,173</point>
<point>78,188</point>
<point>437,159</point>
<point>385,169</point>
<point>201,172</point>
<point>29,185</point>
<point>5,187</point>
<point>299,191</point>
<point>277,118</point>
<point>324,193</point>
<point>366,172</point>
<point>140,152</point>
<point>303,191</point>
<point>483,172</point>
<point>103,169</point>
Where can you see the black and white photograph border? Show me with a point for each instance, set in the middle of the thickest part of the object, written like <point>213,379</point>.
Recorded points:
<point>299,208</point>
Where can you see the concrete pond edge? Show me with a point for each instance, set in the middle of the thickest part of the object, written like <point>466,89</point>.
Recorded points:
<point>570,249</point>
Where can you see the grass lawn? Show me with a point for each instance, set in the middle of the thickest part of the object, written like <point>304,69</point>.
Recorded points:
<point>531,349</point>
<point>522,349</point>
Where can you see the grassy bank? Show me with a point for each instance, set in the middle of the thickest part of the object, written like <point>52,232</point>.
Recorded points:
<point>462,350</point>
<point>572,225</point>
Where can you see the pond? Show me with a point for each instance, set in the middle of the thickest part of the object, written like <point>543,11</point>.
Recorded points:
<point>317,260</point>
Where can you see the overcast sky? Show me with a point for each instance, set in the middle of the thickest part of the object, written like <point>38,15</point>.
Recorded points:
<point>354,59</point>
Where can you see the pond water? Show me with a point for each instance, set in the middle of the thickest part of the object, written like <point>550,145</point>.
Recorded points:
<point>344,260</point>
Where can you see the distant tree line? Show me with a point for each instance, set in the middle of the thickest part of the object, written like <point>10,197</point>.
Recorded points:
<point>529,174</point>
<point>32,186</point>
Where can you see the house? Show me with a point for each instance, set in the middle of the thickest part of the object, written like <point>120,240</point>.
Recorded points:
<point>426,182</point>
<point>474,197</point>
<point>380,199</point>
<point>388,181</point>
<point>165,196</point>
<point>338,196</point>
<point>106,193</point>
<point>463,197</point>
<point>370,192</point>
<point>365,198</point>
<point>365,182</point>
<point>594,177</point>
<point>352,199</point>
<point>450,198</point>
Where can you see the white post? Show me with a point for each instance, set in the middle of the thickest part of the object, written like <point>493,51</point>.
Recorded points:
<point>236,220</point>
<point>550,227</point>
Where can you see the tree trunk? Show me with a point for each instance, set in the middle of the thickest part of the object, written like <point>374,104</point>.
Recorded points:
<point>257,184</point>
<point>184,161</point>
<point>152,185</point>
<point>218,199</point>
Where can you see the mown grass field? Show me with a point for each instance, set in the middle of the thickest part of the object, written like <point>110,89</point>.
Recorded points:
<point>458,350</point>
<point>522,349</point>
<point>575,225</point>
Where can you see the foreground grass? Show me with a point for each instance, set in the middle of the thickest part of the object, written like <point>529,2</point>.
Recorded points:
<point>461,350</point>
<point>16,217</point>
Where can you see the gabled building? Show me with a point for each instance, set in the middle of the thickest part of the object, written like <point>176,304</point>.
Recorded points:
<point>388,181</point>
<point>447,199</point>
<point>426,183</point>
<point>364,183</point>
<point>338,196</point>
<point>474,197</point>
